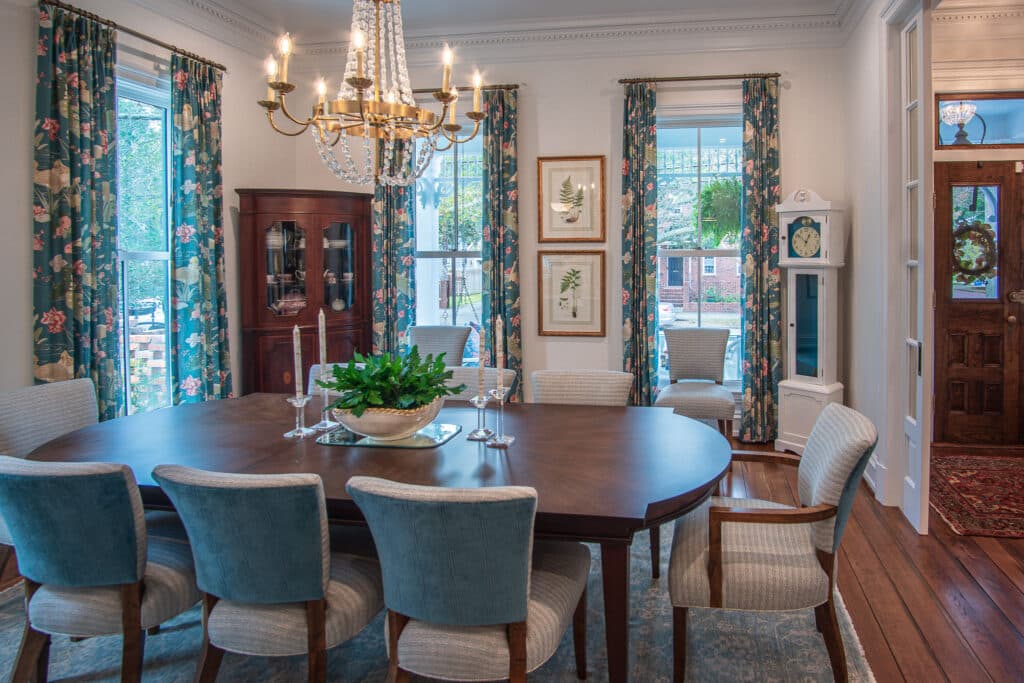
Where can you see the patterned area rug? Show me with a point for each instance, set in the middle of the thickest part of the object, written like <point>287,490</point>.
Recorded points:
<point>979,495</point>
<point>723,646</point>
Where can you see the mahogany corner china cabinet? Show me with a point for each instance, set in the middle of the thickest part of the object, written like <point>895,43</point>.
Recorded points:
<point>301,251</point>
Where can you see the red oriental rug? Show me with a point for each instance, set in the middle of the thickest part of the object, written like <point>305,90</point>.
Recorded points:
<point>979,495</point>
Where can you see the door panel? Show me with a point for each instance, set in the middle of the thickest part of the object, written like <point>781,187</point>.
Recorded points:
<point>977,270</point>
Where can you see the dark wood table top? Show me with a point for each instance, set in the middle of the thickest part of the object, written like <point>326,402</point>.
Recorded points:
<point>600,473</point>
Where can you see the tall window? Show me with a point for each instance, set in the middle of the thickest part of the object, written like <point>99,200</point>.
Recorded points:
<point>143,242</point>
<point>449,225</point>
<point>700,175</point>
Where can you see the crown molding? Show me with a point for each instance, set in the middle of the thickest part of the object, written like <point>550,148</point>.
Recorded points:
<point>977,14</point>
<point>251,34</point>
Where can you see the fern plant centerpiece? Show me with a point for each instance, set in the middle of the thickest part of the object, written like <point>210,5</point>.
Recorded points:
<point>389,397</point>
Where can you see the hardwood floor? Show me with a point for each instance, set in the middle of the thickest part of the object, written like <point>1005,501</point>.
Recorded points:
<point>940,607</point>
<point>927,608</point>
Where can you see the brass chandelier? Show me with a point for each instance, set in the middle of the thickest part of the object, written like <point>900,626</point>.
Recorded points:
<point>399,137</point>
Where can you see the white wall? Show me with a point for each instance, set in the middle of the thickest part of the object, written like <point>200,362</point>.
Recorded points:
<point>252,157</point>
<point>573,106</point>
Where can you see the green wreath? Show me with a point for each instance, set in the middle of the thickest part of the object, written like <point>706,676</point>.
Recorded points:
<point>974,252</point>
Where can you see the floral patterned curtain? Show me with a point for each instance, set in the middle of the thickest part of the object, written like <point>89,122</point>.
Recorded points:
<point>500,247</point>
<point>200,360</point>
<point>74,205</point>
<point>393,253</point>
<point>762,326</point>
<point>640,241</point>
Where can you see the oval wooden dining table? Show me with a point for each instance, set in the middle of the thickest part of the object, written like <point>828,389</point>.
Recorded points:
<point>601,473</point>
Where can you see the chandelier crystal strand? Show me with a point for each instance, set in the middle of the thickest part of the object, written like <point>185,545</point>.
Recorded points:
<point>374,102</point>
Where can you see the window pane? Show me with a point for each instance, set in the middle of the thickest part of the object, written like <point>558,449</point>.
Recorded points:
<point>470,158</point>
<point>913,143</point>
<point>911,47</point>
<point>981,120</point>
<point>976,242</point>
<point>142,176</point>
<point>145,299</point>
<point>286,268</point>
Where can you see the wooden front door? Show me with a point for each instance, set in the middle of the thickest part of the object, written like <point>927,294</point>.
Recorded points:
<point>979,301</point>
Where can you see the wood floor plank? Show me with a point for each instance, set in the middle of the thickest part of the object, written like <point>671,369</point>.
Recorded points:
<point>999,553</point>
<point>870,633</point>
<point>992,637</point>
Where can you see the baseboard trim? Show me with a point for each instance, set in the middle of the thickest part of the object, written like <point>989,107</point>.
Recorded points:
<point>1016,451</point>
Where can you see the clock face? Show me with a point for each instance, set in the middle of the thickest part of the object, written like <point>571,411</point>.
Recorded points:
<point>804,238</point>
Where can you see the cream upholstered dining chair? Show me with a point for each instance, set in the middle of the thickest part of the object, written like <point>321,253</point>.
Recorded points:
<point>470,378</point>
<point>757,555</point>
<point>437,339</point>
<point>696,363</point>
<point>312,388</point>
<point>31,416</point>
<point>89,567</point>
<point>470,595</point>
<point>581,387</point>
<point>270,584</point>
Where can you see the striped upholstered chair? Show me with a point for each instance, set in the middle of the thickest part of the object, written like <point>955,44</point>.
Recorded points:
<point>470,596</point>
<point>756,555</point>
<point>696,363</point>
<point>270,584</point>
<point>470,378</point>
<point>88,565</point>
<point>581,387</point>
<point>437,339</point>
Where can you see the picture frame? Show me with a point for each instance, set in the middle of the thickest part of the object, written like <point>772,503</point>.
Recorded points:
<point>571,293</point>
<point>571,199</point>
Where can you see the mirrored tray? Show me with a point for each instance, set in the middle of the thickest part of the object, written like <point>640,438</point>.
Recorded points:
<point>431,436</point>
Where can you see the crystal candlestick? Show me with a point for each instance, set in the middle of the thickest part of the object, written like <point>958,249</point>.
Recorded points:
<point>500,438</point>
<point>301,430</point>
<point>481,433</point>
<point>326,424</point>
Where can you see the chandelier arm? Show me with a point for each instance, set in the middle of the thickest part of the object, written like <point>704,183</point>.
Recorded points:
<point>284,109</point>
<point>456,140</point>
<point>273,124</point>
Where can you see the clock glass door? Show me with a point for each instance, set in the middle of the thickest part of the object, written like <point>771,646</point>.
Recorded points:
<point>806,338</point>
<point>979,302</point>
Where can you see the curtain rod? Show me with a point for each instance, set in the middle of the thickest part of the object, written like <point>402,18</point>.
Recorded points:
<point>502,86</point>
<point>132,32</point>
<point>677,79</point>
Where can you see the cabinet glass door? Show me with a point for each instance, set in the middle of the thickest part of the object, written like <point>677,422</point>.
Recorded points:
<point>286,268</point>
<point>339,266</point>
<point>807,336</point>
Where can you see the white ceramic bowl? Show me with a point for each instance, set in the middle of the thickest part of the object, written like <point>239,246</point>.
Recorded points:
<point>390,424</point>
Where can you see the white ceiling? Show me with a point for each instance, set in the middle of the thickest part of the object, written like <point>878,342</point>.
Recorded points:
<point>315,21</point>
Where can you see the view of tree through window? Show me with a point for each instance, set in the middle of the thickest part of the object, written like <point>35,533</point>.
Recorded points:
<point>700,171</point>
<point>143,244</point>
<point>449,226</point>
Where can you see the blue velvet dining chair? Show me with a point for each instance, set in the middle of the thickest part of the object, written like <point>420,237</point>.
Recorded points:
<point>758,555</point>
<point>89,567</point>
<point>470,596</point>
<point>270,584</point>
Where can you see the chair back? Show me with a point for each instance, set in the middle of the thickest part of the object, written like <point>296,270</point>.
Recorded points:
<point>255,538</point>
<point>457,557</point>
<point>582,387</point>
<point>74,524</point>
<point>31,416</point>
<point>470,377</point>
<point>437,339</point>
<point>696,353</point>
<point>833,461</point>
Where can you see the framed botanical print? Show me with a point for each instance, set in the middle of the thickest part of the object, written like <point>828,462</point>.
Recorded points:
<point>570,192</point>
<point>571,293</point>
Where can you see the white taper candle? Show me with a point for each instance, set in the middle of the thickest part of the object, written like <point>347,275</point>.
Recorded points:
<point>297,356</point>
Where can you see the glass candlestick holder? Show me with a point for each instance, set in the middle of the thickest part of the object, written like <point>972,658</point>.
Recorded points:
<point>299,401</point>
<point>326,424</point>
<point>482,432</point>
<point>500,438</point>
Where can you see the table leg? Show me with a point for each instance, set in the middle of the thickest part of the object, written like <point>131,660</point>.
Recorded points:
<point>615,580</point>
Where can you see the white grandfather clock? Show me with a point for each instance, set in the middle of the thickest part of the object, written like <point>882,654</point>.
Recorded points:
<point>812,240</point>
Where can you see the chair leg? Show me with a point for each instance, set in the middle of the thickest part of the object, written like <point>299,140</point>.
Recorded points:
<point>721,428</point>
<point>833,640</point>
<point>35,646</point>
<point>133,649</point>
<point>316,634</point>
<point>655,552</point>
<point>579,636</point>
<point>678,644</point>
<point>517,652</point>
<point>396,623</point>
<point>43,663</point>
<point>210,656</point>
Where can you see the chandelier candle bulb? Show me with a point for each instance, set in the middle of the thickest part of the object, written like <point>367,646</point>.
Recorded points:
<point>271,65</point>
<point>446,74</point>
<point>451,112</point>
<point>297,357</point>
<point>477,84</point>
<point>359,43</point>
<point>321,90</point>
<point>284,46</point>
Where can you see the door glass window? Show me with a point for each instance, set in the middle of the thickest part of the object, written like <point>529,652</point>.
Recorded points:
<point>806,297</point>
<point>975,242</point>
<point>286,268</point>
